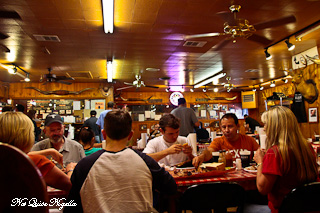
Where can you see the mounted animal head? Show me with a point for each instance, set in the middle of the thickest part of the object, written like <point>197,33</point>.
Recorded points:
<point>302,78</point>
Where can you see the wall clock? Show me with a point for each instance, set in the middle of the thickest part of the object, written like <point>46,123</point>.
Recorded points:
<point>174,97</point>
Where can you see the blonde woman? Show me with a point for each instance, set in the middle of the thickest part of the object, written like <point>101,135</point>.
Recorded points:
<point>18,130</point>
<point>289,160</point>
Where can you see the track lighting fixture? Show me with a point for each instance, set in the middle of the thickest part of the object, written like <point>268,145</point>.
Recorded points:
<point>289,45</point>
<point>182,89</point>
<point>285,80</point>
<point>167,89</point>
<point>205,89</point>
<point>272,84</point>
<point>192,89</point>
<point>254,89</point>
<point>27,79</point>
<point>215,89</point>
<point>261,87</point>
<point>268,56</point>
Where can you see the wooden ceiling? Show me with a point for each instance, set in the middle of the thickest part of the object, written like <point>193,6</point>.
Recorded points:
<point>149,34</point>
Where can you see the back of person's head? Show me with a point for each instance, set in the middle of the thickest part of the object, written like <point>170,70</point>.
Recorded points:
<point>181,101</point>
<point>230,115</point>
<point>110,104</point>
<point>169,120</point>
<point>7,109</point>
<point>245,116</point>
<point>19,108</point>
<point>31,113</point>
<point>86,135</point>
<point>17,130</point>
<point>282,129</point>
<point>117,124</point>
<point>93,113</point>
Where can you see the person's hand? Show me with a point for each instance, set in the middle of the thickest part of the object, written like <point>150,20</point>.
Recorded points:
<point>57,156</point>
<point>175,149</point>
<point>69,168</point>
<point>197,161</point>
<point>258,157</point>
<point>187,149</point>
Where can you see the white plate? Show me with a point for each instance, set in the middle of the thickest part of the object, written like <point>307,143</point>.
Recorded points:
<point>316,142</point>
<point>252,171</point>
<point>187,168</point>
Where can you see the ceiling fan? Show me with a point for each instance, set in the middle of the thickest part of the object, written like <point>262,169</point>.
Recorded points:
<point>7,15</point>
<point>50,78</point>
<point>228,86</point>
<point>138,83</point>
<point>240,28</point>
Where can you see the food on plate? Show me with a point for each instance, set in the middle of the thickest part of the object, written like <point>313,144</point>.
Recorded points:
<point>253,167</point>
<point>184,164</point>
<point>213,166</point>
<point>186,172</point>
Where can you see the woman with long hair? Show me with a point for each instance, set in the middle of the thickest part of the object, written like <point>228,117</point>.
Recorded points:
<point>288,162</point>
<point>87,140</point>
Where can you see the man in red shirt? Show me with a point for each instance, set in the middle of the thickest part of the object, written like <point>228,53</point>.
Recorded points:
<point>231,140</point>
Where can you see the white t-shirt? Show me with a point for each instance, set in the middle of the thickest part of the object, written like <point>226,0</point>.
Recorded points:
<point>159,144</point>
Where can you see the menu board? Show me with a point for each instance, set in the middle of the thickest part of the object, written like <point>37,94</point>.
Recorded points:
<point>63,106</point>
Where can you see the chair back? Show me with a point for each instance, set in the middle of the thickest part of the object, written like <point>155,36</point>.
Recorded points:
<point>302,199</point>
<point>21,183</point>
<point>216,196</point>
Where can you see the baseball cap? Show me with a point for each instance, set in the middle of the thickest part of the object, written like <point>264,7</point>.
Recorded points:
<point>51,118</point>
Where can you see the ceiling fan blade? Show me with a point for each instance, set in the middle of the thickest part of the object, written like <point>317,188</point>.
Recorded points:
<point>275,22</point>
<point>220,45</point>
<point>3,36</point>
<point>228,17</point>
<point>64,78</point>
<point>9,14</point>
<point>260,39</point>
<point>128,83</point>
<point>202,35</point>
<point>63,82</point>
<point>124,88</point>
<point>151,86</point>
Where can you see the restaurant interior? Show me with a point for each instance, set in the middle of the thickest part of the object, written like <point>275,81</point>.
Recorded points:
<point>234,56</point>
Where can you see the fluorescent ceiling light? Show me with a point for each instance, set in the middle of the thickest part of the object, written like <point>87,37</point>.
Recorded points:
<point>107,11</point>
<point>110,70</point>
<point>209,80</point>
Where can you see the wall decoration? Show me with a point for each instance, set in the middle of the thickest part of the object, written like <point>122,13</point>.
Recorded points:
<point>143,127</point>
<point>174,97</point>
<point>313,115</point>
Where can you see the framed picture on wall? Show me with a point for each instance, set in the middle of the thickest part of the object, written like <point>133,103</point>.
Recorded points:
<point>143,127</point>
<point>313,115</point>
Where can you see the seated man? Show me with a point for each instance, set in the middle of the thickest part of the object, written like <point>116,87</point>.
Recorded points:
<point>170,148</point>
<point>231,140</point>
<point>117,179</point>
<point>71,150</point>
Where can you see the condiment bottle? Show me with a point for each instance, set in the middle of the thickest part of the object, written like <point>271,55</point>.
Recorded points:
<point>221,159</point>
<point>229,161</point>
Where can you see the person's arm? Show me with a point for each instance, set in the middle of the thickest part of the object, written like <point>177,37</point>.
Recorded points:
<point>265,182</point>
<point>205,156</point>
<point>57,156</point>
<point>174,149</point>
<point>57,179</point>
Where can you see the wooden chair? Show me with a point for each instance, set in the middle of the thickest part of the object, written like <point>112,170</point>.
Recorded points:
<point>217,196</point>
<point>21,182</point>
<point>302,199</point>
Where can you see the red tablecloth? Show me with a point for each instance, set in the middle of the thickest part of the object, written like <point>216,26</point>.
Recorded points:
<point>246,179</point>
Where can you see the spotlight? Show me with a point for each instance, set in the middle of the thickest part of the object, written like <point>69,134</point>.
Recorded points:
<point>289,45</point>
<point>205,89</point>
<point>27,79</point>
<point>268,56</point>
<point>272,84</point>
<point>261,87</point>
<point>182,89</point>
<point>285,80</point>
<point>254,89</point>
<point>191,90</point>
<point>285,72</point>
<point>167,89</point>
<point>215,89</point>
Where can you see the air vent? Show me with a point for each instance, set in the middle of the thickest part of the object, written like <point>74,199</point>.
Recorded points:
<point>194,43</point>
<point>79,74</point>
<point>54,38</point>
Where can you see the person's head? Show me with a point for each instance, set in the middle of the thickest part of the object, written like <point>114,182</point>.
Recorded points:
<point>169,127</point>
<point>19,108</point>
<point>182,101</point>
<point>117,125</point>
<point>229,126</point>
<point>156,127</point>
<point>245,116</point>
<point>17,130</point>
<point>7,109</point>
<point>93,113</point>
<point>282,129</point>
<point>86,136</point>
<point>54,128</point>
<point>110,105</point>
<point>31,113</point>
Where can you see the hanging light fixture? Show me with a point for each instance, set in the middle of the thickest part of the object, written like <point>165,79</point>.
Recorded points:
<point>268,56</point>
<point>289,45</point>
<point>27,79</point>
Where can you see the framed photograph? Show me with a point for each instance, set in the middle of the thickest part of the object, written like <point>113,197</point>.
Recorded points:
<point>215,106</point>
<point>143,127</point>
<point>206,125</point>
<point>224,107</point>
<point>313,115</point>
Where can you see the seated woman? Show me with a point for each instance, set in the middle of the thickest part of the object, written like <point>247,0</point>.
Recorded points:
<point>87,139</point>
<point>17,130</point>
<point>289,160</point>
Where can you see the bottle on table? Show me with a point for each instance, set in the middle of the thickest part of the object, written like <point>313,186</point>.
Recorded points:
<point>229,160</point>
<point>222,158</point>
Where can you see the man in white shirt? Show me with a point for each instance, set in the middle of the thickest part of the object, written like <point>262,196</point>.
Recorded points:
<point>170,148</point>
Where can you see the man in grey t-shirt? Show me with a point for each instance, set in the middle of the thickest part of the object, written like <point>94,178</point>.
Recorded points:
<point>188,118</point>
